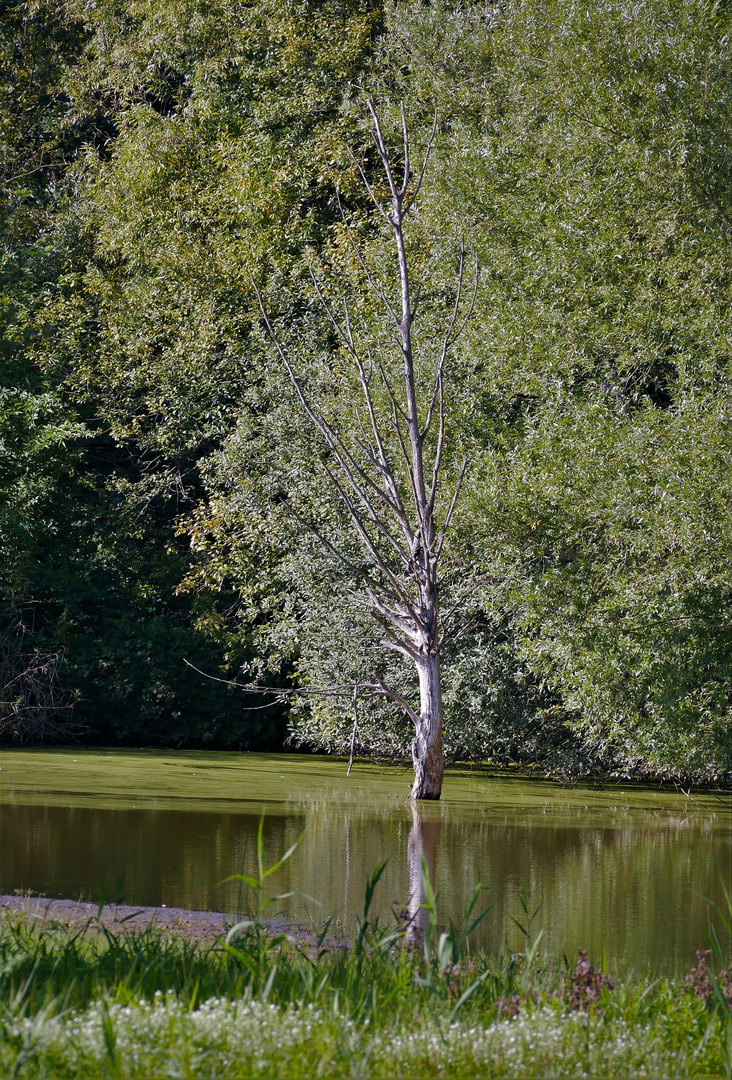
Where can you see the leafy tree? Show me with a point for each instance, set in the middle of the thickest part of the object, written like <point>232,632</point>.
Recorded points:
<point>86,571</point>
<point>622,531</point>
<point>228,120</point>
<point>156,160</point>
<point>583,151</point>
<point>597,178</point>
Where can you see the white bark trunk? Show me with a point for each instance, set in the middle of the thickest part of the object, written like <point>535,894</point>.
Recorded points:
<point>427,756</point>
<point>368,484</point>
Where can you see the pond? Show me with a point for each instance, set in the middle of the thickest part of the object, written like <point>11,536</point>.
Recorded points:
<point>618,869</point>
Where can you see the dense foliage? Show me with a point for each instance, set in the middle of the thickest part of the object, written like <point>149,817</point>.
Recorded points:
<point>155,161</point>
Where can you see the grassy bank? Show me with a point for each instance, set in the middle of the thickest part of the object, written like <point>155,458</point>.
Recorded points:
<point>143,1005</point>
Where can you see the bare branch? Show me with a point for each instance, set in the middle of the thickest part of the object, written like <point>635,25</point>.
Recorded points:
<point>471,308</point>
<point>437,393</point>
<point>334,690</point>
<point>397,411</point>
<point>428,151</point>
<point>381,689</point>
<point>464,628</point>
<point>391,622</point>
<point>384,158</point>
<point>349,466</point>
<point>377,689</point>
<point>405,137</point>
<point>375,201</point>
<point>446,342</point>
<point>381,462</point>
<point>437,463</point>
<point>376,288</point>
<point>391,495</point>
<point>439,384</point>
<point>451,508</point>
<point>403,648</point>
<point>346,338</point>
<point>349,330</point>
<point>376,520</point>
<point>369,544</point>
<point>415,305</point>
<point>396,406</point>
<point>323,540</point>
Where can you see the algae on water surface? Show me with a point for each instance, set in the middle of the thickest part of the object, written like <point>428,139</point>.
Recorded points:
<point>616,867</point>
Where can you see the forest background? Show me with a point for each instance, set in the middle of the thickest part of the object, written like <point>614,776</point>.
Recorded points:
<point>159,160</point>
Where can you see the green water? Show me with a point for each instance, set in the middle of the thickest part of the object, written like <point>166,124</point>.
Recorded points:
<point>615,868</point>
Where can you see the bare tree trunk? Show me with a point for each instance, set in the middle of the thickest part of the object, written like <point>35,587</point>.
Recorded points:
<point>424,838</point>
<point>403,453</point>
<point>427,756</point>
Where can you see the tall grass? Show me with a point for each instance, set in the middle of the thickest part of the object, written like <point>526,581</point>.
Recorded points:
<point>142,1005</point>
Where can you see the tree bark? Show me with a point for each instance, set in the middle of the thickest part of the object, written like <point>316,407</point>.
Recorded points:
<point>427,756</point>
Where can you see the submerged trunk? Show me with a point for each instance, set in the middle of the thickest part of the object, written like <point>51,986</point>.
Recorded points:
<point>429,764</point>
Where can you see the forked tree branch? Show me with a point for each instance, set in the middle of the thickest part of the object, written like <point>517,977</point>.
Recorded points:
<point>366,475</point>
<point>347,463</point>
<point>347,689</point>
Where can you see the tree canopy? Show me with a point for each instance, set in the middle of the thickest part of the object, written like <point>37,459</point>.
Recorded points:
<point>161,165</point>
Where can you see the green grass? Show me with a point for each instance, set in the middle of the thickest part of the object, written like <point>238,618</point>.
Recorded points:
<point>140,1005</point>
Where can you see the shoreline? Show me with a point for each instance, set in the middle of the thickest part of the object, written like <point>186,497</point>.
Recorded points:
<point>202,927</point>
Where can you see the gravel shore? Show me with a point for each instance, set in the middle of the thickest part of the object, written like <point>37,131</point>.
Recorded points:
<point>203,926</point>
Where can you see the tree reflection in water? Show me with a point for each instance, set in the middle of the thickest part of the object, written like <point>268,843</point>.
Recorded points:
<point>424,839</point>
<point>627,879</point>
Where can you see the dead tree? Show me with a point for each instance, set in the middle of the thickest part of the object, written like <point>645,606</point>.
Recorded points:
<point>388,476</point>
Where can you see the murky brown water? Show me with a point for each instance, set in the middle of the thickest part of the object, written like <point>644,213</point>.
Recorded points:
<point>616,869</point>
